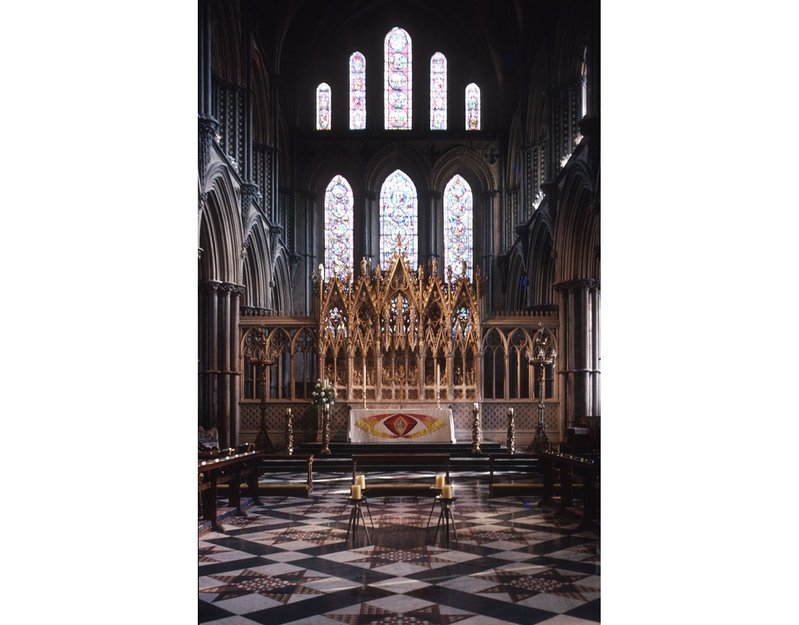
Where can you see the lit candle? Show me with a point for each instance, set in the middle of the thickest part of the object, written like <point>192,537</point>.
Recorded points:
<point>364,377</point>
<point>356,491</point>
<point>360,480</point>
<point>438,378</point>
<point>476,406</point>
<point>288,411</point>
<point>321,272</point>
<point>440,480</point>
<point>446,491</point>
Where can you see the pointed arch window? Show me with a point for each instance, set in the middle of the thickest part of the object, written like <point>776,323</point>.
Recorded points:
<point>458,204</point>
<point>438,92</point>
<point>472,107</point>
<point>398,217</point>
<point>357,91</point>
<point>338,226</point>
<point>397,80</point>
<point>323,106</point>
<point>584,84</point>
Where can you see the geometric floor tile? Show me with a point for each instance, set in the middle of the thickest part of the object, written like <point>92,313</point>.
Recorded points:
<point>289,561</point>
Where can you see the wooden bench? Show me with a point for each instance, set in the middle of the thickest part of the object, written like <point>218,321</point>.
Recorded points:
<point>432,464</point>
<point>568,466</point>
<point>231,470</point>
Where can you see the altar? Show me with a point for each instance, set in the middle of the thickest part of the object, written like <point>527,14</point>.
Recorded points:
<point>401,425</point>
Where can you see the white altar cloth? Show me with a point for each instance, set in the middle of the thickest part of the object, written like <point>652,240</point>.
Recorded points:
<point>401,425</point>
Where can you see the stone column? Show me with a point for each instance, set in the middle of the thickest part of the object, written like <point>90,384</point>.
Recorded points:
<point>208,126</point>
<point>204,83</point>
<point>219,359</point>
<point>223,363</point>
<point>489,200</point>
<point>208,325</point>
<point>235,364</point>
<point>579,306</point>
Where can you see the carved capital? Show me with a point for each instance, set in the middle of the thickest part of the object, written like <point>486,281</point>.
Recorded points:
<point>207,126</point>
<point>490,154</point>
<point>207,129</point>
<point>229,288</point>
<point>210,286</point>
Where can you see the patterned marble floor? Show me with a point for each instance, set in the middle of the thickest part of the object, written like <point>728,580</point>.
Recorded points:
<point>289,561</point>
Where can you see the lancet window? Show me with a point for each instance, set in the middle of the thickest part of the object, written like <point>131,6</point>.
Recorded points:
<point>398,217</point>
<point>323,106</point>
<point>472,107</point>
<point>338,227</point>
<point>438,92</point>
<point>397,80</point>
<point>357,91</point>
<point>458,247</point>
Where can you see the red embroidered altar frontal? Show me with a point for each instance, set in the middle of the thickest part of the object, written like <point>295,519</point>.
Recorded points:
<point>401,425</point>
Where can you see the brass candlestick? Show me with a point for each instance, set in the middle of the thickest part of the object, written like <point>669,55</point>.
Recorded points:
<point>325,430</point>
<point>511,443</point>
<point>544,355</point>
<point>476,429</point>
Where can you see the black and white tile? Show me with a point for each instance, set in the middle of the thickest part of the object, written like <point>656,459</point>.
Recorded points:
<point>289,562</point>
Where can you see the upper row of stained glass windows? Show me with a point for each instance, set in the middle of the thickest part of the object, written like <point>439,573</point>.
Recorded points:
<point>398,90</point>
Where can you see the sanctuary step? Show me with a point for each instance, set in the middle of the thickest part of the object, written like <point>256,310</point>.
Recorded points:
<point>347,450</point>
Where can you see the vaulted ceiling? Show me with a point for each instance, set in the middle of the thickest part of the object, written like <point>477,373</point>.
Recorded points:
<point>502,41</point>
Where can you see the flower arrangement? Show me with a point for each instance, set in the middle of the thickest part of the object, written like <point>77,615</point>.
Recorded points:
<point>324,393</point>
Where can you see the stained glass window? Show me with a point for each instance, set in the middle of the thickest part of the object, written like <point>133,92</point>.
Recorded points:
<point>472,107</point>
<point>458,226</point>
<point>397,80</point>
<point>323,107</point>
<point>357,91</point>
<point>438,92</point>
<point>398,210</point>
<point>338,227</point>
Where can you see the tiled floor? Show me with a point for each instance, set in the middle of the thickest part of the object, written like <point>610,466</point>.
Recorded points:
<point>288,561</point>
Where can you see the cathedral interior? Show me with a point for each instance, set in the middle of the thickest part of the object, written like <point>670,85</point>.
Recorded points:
<point>356,244</point>
<point>462,136</point>
<point>399,268</point>
<point>399,212</point>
